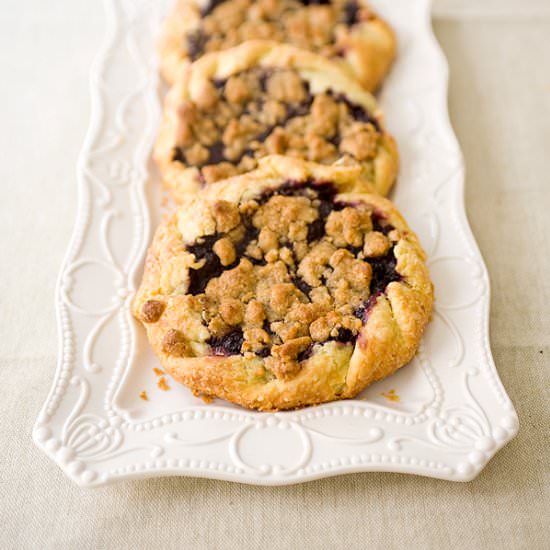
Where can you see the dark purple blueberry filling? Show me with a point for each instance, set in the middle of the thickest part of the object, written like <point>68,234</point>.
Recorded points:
<point>356,111</point>
<point>251,234</point>
<point>316,230</point>
<point>380,224</point>
<point>345,336</point>
<point>215,153</point>
<point>211,6</point>
<point>351,13</point>
<point>178,155</point>
<point>267,327</point>
<point>325,208</point>
<point>383,272</point>
<point>301,285</point>
<point>219,83</point>
<point>196,42</point>
<point>212,268</point>
<point>198,278</point>
<point>204,248</point>
<point>321,190</point>
<point>306,354</point>
<point>362,311</point>
<point>264,352</point>
<point>264,75</point>
<point>314,2</point>
<point>228,344</point>
<point>354,249</point>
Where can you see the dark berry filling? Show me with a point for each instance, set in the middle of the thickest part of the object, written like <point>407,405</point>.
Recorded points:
<point>228,344</point>
<point>380,224</point>
<point>363,310</point>
<point>212,268</point>
<point>357,111</point>
<point>196,42</point>
<point>264,352</point>
<point>306,354</point>
<point>301,285</point>
<point>211,6</point>
<point>323,191</point>
<point>345,336</point>
<point>316,230</point>
<point>314,2</point>
<point>383,273</point>
<point>267,327</point>
<point>351,13</point>
<point>178,155</point>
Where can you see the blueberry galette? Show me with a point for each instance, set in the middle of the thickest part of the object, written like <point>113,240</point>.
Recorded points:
<point>231,108</point>
<point>276,290</point>
<point>347,31</point>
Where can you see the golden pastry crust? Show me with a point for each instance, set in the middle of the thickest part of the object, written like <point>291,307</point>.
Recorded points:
<point>346,31</point>
<point>274,290</point>
<point>233,107</point>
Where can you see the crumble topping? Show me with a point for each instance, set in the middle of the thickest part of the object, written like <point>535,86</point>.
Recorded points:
<point>257,112</point>
<point>152,310</point>
<point>290,270</point>
<point>317,25</point>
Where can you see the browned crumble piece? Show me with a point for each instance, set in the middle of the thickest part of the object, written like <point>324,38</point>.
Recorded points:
<point>237,89</point>
<point>196,154</point>
<point>286,86</point>
<point>174,343</point>
<point>231,311</point>
<point>216,172</point>
<point>208,96</point>
<point>162,384</point>
<point>284,360</point>
<point>361,145</point>
<point>152,310</point>
<point>226,215</point>
<point>225,251</point>
<point>376,245</point>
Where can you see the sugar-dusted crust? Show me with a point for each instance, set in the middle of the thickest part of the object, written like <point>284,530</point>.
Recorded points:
<point>286,320</point>
<point>365,47</point>
<point>261,98</point>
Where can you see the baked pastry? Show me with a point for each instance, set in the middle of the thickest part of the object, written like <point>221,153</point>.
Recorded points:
<point>347,31</point>
<point>274,290</point>
<point>233,107</point>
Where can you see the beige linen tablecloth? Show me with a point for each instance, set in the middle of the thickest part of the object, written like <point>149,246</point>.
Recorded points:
<point>499,55</point>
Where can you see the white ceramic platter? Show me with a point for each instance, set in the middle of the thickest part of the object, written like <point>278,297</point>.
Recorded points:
<point>444,415</point>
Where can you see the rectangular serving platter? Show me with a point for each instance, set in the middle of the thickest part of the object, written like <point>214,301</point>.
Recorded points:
<point>444,415</point>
